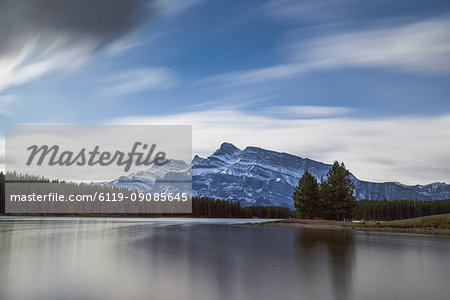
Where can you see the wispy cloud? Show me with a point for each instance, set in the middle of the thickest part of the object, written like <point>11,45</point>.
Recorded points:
<point>138,80</point>
<point>32,61</point>
<point>233,101</point>
<point>126,43</point>
<point>415,147</point>
<point>421,48</point>
<point>309,111</point>
<point>418,47</point>
<point>278,72</point>
<point>174,7</point>
<point>133,40</point>
<point>6,102</point>
<point>305,10</point>
<point>42,37</point>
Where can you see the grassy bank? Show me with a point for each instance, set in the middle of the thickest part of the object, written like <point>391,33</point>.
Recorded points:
<point>434,221</point>
<point>439,224</point>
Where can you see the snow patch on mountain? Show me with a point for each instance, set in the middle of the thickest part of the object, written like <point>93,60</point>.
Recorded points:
<point>256,176</point>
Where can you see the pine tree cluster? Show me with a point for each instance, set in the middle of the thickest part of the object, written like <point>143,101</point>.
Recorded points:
<point>331,199</point>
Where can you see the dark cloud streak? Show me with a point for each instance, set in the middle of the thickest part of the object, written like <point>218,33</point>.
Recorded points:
<point>94,21</point>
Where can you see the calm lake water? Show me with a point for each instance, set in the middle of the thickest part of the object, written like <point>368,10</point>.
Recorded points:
<point>213,259</point>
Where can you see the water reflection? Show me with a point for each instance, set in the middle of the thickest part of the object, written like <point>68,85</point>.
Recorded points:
<point>60,260</point>
<point>193,259</point>
<point>339,247</point>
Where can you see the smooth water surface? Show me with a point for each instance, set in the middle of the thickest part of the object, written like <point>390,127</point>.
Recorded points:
<point>214,259</point>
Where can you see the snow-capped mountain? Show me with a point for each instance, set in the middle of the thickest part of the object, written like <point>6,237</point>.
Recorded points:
<point>251,176</point>
<point>255,176</point>
<point>171,178</point>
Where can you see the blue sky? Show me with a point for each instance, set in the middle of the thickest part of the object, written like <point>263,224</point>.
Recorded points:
<point>364,82</point>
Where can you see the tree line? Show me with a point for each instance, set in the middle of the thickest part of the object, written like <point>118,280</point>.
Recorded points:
<point>399,209</point>
<point>308,189</point>
<point>201,206</point>
<point>209,207</point>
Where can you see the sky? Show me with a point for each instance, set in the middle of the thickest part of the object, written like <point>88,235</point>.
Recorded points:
<point>364,82</point>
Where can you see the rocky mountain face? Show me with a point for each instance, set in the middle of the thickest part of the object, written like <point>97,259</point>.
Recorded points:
<point>255,176</point>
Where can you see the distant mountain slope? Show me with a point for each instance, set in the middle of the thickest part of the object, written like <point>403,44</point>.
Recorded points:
<point>255,176</point>
<point>262,177</point>
<point>172,178</point>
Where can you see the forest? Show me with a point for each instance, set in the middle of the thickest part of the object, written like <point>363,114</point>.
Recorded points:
<point>201,207</point>
<point>398,209</point>
<point>364,209</point>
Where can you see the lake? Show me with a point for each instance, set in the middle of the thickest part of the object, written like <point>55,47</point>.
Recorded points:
<point>88,258</point>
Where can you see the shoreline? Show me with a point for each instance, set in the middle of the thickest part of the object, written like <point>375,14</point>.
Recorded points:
<point>340,225</point>
<point>422,225</point>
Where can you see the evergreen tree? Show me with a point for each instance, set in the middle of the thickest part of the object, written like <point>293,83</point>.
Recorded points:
<point>337,192</point>
<point>306,197</point>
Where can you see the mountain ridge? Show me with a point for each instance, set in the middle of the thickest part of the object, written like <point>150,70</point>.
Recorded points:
<point>257,176</point>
